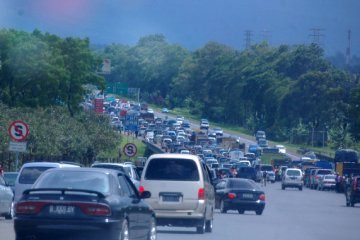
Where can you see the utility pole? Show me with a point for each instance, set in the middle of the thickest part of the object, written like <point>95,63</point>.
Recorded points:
<point>248,35</point>
<point>316,34</point>
<point>348,49</point>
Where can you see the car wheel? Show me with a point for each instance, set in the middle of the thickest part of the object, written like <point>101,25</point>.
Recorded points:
<point>209,226</point>
<point>259,212</point>
<point>282,187</point>
<point>222,207</point>
<point>300,188</point>
<point>10,215</point>
<point>201,229</point>
<point>241,211</point>
<point>152,233</point>
<point>124,234</point>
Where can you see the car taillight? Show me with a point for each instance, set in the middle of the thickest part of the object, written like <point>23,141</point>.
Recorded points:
<point>141,189</point>
<point>262,197</point>
<point>95,209</point>
<point>29,207</point>
<point>201,194</point>
<point>231,195</point>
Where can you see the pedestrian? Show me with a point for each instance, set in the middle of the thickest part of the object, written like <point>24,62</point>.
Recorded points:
<point>264,178</point>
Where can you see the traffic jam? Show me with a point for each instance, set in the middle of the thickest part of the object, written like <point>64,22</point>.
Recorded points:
<point>198,171</point>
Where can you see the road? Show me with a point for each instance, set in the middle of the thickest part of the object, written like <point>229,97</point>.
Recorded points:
<point>289,214</point>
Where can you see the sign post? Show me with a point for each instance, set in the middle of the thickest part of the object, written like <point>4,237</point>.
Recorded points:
<point>18,132</point>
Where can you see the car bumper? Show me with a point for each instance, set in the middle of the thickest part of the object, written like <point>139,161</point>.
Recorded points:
<point>244,205</point>
<point>77,229</point>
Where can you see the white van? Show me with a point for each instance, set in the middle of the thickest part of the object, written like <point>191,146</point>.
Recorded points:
<point>30,172</point>
<point>181,191</point>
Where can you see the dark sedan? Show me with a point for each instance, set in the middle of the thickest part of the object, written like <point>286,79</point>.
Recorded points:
<point>239,194</point>
<point>84,203</point>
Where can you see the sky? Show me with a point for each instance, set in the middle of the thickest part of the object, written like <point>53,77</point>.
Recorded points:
<point>192,23</point>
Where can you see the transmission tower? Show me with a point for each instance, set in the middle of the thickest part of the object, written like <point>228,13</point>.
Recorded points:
<point>248,35</point>
<point>348,49</point>
<point>317,35</point>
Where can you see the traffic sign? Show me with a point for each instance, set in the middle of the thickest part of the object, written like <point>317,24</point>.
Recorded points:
<point>131,121</point>
<point>130,149</point>
<point>17,146</point>
<point>18,130</point>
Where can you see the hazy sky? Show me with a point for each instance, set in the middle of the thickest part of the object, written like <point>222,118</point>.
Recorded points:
<point>191,23</point>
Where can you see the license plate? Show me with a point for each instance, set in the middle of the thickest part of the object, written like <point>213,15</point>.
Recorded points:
<point>61,210</point>
<point>247,195</point>
<point>170,198</point>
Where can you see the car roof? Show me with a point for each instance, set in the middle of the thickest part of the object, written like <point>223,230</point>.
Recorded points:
<point>49,164</point>
<point>111,164</point>
<point>86,169</point>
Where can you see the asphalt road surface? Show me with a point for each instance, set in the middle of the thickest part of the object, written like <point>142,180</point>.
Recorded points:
<point>289,214</point>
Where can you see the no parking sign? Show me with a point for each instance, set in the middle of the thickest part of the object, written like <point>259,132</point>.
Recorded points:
<point>18,131</point>
<point>130,149</point>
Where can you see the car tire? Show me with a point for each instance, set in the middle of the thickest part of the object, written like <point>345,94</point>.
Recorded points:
<point>300,188</point>
<point>209,226</point>
<point>222,207</point>
<point>259,212</point>
<point>153,232</point>
<point>241,211</point>
<point>282,187</point>
<point>10,215</point>
<point>124,234</point>
<point>201,229</point>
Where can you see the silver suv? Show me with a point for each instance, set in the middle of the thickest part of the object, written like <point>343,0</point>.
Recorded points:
<point>292,177</point>
<point>181,191</point>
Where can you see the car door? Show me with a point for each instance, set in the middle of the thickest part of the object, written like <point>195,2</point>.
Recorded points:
<point>219,192</point>
<point>6,196</point>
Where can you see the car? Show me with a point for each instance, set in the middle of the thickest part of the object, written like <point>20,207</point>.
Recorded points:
<point>270,176</point>
<point>246,172</point>
<point>327,182</point>
<point>93,203</point>
<point>6,199</point>
<point>352,191</point>
<point>260,134</point>
<point>317,175</point>
<point>150,110</point>
<point>128,169</point>
<point>218,131</point>
<point>165,110</point>
<point>263,143</point>
<point>10,178</point>
<point>204,124</point>
<point>29,172</point>
<point>181,191</point>
<point>281,148</point>
<point>239,194</point>
<point>293,177</point>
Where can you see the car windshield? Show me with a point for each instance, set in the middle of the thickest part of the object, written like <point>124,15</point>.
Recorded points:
<point>75,180</point>
<point>29,174</point>
<point>172,170</point>
<point>243,184</point>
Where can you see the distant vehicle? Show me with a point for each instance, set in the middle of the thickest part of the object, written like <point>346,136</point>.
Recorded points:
<point>281,148</point>
<point>318,173</point>
<point>6,199</point>
<point>260,134</point>
<point>179,184</point>
<point>327,182</point>
<point>255,148</point>
<point>246,172</point>
<point>270,176</point>
<point>218,131</point>
<point>292,178</point>
<point>150,110</point>
<point>262,142</point>
<point>204,124</point>
<point>29,172</point>
<point>346,155</point>
<point>184,151</point>
<point>91,202</point>
<point>239,194</point>
<point>165,110</point>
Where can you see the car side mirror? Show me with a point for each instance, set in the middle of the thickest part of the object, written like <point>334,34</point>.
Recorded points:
<point>145,194</point>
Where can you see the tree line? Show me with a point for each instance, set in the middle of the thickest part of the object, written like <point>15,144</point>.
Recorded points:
<point>291,92</point>
<point>42,78</point>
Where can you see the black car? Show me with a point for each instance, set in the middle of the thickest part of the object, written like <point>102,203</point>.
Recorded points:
<point>246,172</point>
<point>239,194</point>
<point>84,203</point>
<point>352,191</point>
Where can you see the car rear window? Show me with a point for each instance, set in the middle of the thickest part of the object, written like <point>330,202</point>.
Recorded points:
<point>172,170</point>
<point>29,174</point>
<point>246,170</point>
<point>330,177</point>
<point>323,172</point>
<point>266,168</point>
<point>293,173</point>
<point>75,180</point>
<point>236,183</point>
